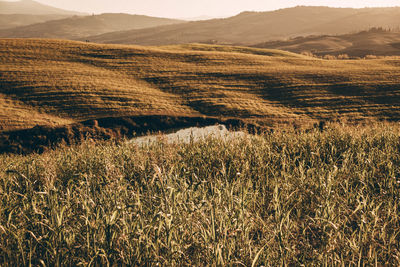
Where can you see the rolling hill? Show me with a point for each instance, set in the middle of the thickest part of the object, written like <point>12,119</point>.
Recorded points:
<point>16,20</point>
<point>81,26</point>
<point>33,8</point>
<point>249,28</point>
<point>377,42</point>
<point>54,82</point>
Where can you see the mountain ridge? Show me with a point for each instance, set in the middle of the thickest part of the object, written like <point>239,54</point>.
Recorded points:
<point>33,8</point>
<point>249,28</point>
<point>77,27</point>
<point>8,21</point>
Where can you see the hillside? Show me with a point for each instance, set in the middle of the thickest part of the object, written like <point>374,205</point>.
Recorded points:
<point>79,27</point>
<point>16,20</point>
<point>54,82</point>
<point>376,42</point>
<point>249,28</point>
<point>32,8</point>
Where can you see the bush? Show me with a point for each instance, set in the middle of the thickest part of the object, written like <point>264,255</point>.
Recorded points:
<point>343,56</point>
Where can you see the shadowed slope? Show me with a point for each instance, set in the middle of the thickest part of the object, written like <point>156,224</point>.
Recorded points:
<point>76,81</point>
<point>40,138</point>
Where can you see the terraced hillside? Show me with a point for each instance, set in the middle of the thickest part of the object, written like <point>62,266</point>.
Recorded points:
<point>54,82</point>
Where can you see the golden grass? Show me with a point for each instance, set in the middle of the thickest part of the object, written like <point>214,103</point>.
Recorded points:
<point>71,81</point>
<point>14,114</point>
<point>279,199</point>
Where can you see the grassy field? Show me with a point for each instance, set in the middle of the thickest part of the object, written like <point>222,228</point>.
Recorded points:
<point>53,82</point>
<point>289,196</point>
<point>313,198</point>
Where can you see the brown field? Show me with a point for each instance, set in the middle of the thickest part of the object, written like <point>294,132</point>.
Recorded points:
<point>318,197</point>
<point>53,82</point>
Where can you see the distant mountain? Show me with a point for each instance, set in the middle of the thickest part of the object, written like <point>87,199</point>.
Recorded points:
<point>378,42</point>
<point>204,17</point>
<point>255,27</point>
<point>16,20</point>
<point>77,27</point>
<point>32,8</point>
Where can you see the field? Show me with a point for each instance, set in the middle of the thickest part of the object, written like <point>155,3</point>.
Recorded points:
<point>53,82</point>
<point>292,194</point>
<point>284,198</point>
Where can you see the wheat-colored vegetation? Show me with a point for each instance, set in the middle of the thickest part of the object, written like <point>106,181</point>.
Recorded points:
<point>54,82</point>
<point>280,198</point>
<point>314,198</point>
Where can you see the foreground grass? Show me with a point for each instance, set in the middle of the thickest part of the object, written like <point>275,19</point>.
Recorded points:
<point>276,199</point>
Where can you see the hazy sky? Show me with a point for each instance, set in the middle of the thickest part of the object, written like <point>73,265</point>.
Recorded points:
<point>194,8</point>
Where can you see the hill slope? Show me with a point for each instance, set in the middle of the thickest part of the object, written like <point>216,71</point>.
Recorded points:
<point>17,20</point>
<point>374,42</point>
<point>80,27</point>
<point>32,8</point>
<point>255,27</point>
<point>53,82</point>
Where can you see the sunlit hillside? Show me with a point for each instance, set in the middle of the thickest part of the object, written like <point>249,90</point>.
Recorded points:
<point>53,82</point>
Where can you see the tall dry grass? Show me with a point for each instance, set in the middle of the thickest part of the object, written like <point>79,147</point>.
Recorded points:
<point>284,198</point>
